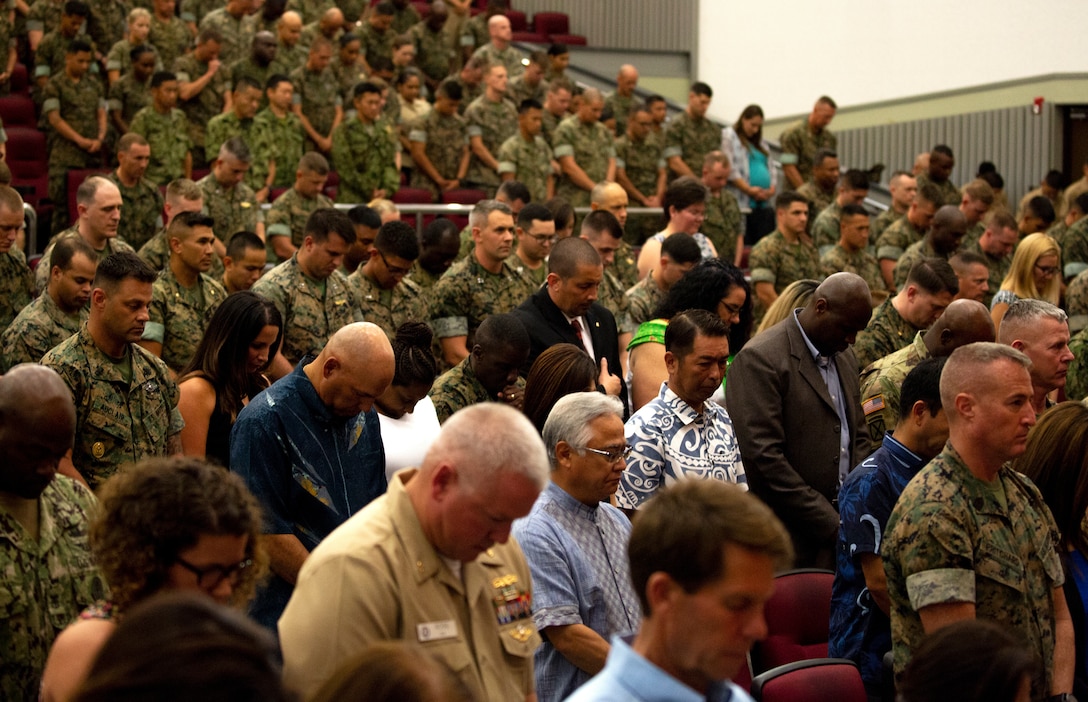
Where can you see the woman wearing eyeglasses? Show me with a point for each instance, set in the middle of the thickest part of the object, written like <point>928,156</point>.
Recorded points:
<point>1035,273</point>
<point>163,524</point>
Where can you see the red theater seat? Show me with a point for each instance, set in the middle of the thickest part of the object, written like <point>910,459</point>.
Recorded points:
<point>17,111</point>
<point>820,680</point>
<point>798,618</point>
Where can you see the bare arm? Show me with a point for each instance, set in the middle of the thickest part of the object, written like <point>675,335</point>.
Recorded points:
<point>793,176</point>
<point>454,349</point>
<point>648,257</point>
<point>677,166</point>
<point>610,172</point>
<point>71,656</point>
<point>280,367</point>
<point>574,172</point>
<point>481,152</point>
<point>462,168</point>
<point>887,272</point>
<point>872,567</point>
<point>1064,645</point>
<point>196,404</point>
<point>286,554</point>
<point>580,645</point>
<point>154,347</point>
<point>766,294</point>
<point>282,247</point>
<point>632,192</point>
<point>186,91</point>
<point>648,371</point>
<point>419,154</point>
<point>940,615</point>
<point>65,130</point>
<point>66,467</point>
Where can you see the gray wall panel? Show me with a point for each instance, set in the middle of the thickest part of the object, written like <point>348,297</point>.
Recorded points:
<point>653,25</point>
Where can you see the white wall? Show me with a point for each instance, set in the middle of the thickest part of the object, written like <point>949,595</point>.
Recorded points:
<point>864,51</point>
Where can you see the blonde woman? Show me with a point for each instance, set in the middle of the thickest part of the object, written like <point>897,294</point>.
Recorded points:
<point>118,61</point>
<point>1035,273</point>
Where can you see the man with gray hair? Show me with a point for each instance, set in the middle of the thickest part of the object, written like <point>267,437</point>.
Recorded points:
<point>432,562</point>
<point>971,538</point>
<point>477,286</point>
<point>231,203</point>
<point>576,545</point>
<point>1040,331</point>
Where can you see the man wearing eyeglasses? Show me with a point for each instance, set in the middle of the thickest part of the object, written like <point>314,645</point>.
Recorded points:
<point>681,433</point>
<point>379,287</point>
<point>576,545</point>
<point>536,236</point>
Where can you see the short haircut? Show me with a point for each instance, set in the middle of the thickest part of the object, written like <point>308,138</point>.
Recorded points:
<point>962,373</point>
<point>236,148</point>
<point>385,9</point>
<point>66,249</point>
<point>529,104</point>
<point>923,383</point>
<point>130,139</point>
<point>855,179</point>
<point>558,85</point>
<point>501,331</point>
<point>136,52</point>
<point>183,189</point>
<point>683,532</point>
<point>161,77</point>
<point>326,221</point>
<point>962,259</point>
<point>186,221</point>
<point>600,222</point>
<point>570,253</point>
<point>570,418</point>
<point>240,242</point>
<point>78,46</point>
<point>514,190</point>
<point>942,149</point>
<point>824,154</point>
<point>928,192</point>
<point>534,212</point>
<point>347,38</point>
<point>784,200</point>
<point>538,57</point>
<point>274,81</point>
<point>562,210</point>
<point>365,87</point>
<point>683,193</point>
<point>980,190</point>
<point>994,180</point>
<point>433,232</point>
<point>407,73</point>
<point>1081,203</point>
<point>397,238</point>
<point>653,100</point>
<point>1001,219</point>
<point>684,327</point>
<point>558,49</point>
<point>313,162</point>
<point>478,62</point>
<point>713,157</point>
<point>402,40</point>
<point>365,216</point>
<point>852,210</point>
<point>1040,206</point>
<point>245,82</point>
<point>209,34</point>
<point>682,248</point>
<point>10,199</point>
<point>319,42</point>
<point>934,275</point>
<point>118,267</point>
<point>88,189</point>
<point>1054,179</point>
<point>481,213</point>
<point>1023,316</point>
<point>701,88</point>
<point>451,90</point>
<point>75,8</point>
<point>825,100</point>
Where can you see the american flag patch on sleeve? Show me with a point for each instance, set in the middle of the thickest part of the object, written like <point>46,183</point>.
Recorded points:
<point>873,404</point>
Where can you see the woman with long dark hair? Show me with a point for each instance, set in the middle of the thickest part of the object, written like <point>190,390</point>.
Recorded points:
<point>754,175</point>
<point>226,372</point>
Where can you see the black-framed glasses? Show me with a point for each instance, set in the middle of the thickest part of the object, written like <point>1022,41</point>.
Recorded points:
<point>612,454</point>
<point>210,577</point>
<point>544,238</point>
<point>393,270</point>
<point>1046,270</point>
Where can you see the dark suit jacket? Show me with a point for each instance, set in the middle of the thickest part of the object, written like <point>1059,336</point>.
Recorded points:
<point>788,432</point>
<point>547,326</point>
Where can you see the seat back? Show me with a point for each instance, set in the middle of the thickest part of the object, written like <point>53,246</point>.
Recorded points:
<point>818,680</point>
<point>798,616</point>
<point>26,157</point>
<point>551,23</point>
<point>413,196</point>
<point>17,110</point>
<point>518,21</point>
<point>463,196</point>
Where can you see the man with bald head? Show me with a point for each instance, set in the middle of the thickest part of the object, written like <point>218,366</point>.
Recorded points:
<point>43,526</point>
<point>972,538</point>
<point>585,151</point>
<point>310,449</point>
<point>290,53</point>
<point>499,50</point>
<point>793,396</point>
<point>963,322</point>
<point>941,241</point>
<point>622,101</point>
<point>1040,331</point>
<point>611,197</point>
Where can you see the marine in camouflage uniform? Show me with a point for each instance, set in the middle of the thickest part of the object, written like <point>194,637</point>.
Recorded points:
<point>882,221</point>
<point>41,271</point>
<point>179,316</point>
<point>234,210</point>
<point>724,224</point>
<point>156,252</point>
<point>951,538</point>
<point>642,299</point>
<point>613,296</point>
<point>1076,379</point>
<point>434,55</point>
<point>77,103</point>
<point>530,162</point>
<point>624,264</point>
<point>223,127</point>
<point>39,327</point>
<point>312,310</point>
<point>365,157</point>
<point>549,123</point>
<point>288,215</point>
<point>887,333</point>
<point>916,252</point>
<point>621,108</point>
<point>49,58</point>
<point>641,161</point>
<point>117,421</point>
<point>422,277</point>
<point>591,146</point>
<point>517,91</point>
<point>389,309</point>
<point>168,136</point>
<point>444,139</point>
<point>375,43</point>
<point>142,211</point>
<point>860,262</point>
<point>128,96</point>
<point>118,59</point>
<point>310,10</point>
<point>170,38</point>
<point>404,18</point>
<point>248,68</point>
<point>799,147</point>
<point>1076,295</point>
<point>531,278</point>
<point>16,285</point>
<point>691,139</point>
<point>494,123</point>
<point>458,388</point>
<point>47,582</point>
<point>509,57</point>
<point>44,16</point>
<point>107,22</point>
<point>897,238</point>
<point>950,194</point>
<point>818,201</point>
<point>468,294</point>
<point>775,260</point>
<point>1075,248</point>
<point>288,58</point>
<point>237,34</point>
<point>346,77</point>
<point>318,95</point>
<point>278,139</point>
<point>825,227</point>
<point>881,385</point>
<point>205,105</point>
